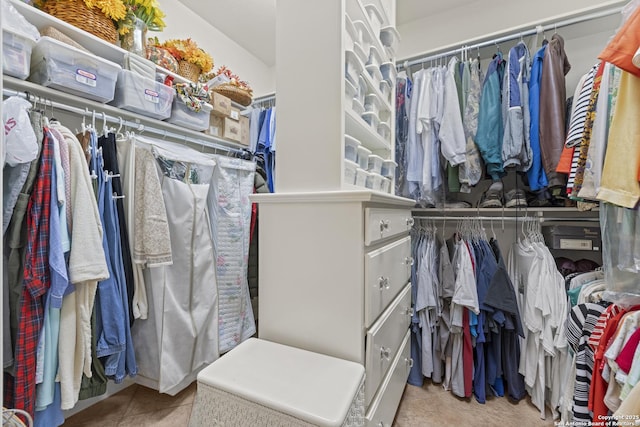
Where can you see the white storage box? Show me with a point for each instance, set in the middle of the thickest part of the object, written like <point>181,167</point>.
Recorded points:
<point>351,35</point>
<point>360,53</point>
<point>361,177</point>
<point>16,54</point>
<point>368,180</point>
<point>390,38</point>
<point>143,95</point>
<point>364,36</point>
<point>350,171</point>
<point>60,66</point>
<point>388,70</point>
<point>375,19</point>
<point>372,119</point>
<point>353,66</point>
<point>262,383</point>
<point>385,88</point>
<point>386,185</point>
<point>363,157</point>
<point>372,103</point>
<point>350,92</point>
<point>384,130</point>
<point>374,181</point>
<point>388,168</point>
<point>351,148</point>
<point>375,57</point>
<point>357,106</point>
<point>181,115</point>
<point>384,115</point>
<point>362,89</point>
<point>375,74</point>
<point>375,164</point>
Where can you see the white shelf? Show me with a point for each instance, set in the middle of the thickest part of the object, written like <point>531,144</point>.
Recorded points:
<point>93,44</point>
<point>359,129</point>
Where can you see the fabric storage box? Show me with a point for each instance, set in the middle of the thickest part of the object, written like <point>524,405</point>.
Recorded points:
<point>143,95</point>
<point>351,148</point>
<point>350,171</point>
<point>572,237</point>
<point>361,177</point>
<point>363,157</point>
<point>262,383</point>
<point>375,164</point>
<point>60,66</point>
<point>181,115</point>
<point>16,54</point>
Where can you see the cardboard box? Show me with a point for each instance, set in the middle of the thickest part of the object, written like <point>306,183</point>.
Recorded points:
<point>216,126</point>
<point>234,114</point>
<point>221,105</point>
<point>231,130</point>
<point>244,130</point>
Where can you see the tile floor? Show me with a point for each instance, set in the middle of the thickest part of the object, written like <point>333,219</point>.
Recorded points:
<point>138,406</point>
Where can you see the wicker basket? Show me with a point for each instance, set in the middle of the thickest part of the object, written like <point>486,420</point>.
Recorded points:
<point>76,13</point>
<point>189,70</point>
<point>234,93</point>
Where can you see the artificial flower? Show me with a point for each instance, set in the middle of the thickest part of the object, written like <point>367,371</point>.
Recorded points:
<point>188,50</point>
<point>146,10</point>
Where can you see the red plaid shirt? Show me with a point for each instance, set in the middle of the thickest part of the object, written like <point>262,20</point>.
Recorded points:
<point>21,389</point>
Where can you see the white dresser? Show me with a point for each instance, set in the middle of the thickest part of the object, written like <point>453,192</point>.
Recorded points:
<point>334,279</point>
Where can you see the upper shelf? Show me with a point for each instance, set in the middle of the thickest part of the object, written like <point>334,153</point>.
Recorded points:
<point>94,44</point>
<point>356,12</point>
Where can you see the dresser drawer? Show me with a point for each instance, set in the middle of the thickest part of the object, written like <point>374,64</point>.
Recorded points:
<point>386,271</point>
<point>384,339</point>
<point>383,409</point>
<point>382,223</point>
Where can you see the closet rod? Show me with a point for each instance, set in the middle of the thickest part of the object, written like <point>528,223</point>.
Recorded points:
<point>504,218</point>
<point>264,98</point>
<point>514,35</point>
<point>118,120</point>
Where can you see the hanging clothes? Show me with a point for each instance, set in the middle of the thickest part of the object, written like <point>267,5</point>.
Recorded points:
<point>470,171</point>
<point>536,175</point>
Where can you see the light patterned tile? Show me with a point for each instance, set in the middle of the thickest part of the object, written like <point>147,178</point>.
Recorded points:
<point>109,410</point>
<point>148,400</point>
<point>169,417</point>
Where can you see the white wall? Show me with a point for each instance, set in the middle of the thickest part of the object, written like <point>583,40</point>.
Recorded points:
<point>482,20</point>
<point>182,23</point>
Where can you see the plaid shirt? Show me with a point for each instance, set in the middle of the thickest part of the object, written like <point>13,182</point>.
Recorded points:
<point>21,389</point>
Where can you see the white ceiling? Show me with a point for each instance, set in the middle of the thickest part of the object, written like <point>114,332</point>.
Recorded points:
<point>252,23</point>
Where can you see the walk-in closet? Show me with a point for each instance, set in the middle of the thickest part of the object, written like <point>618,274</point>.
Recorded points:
<point>333,213</point>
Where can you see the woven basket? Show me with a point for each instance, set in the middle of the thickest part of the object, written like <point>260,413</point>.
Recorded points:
<point>234,93</point>
<point>189,70</point>
<point>76,13</point>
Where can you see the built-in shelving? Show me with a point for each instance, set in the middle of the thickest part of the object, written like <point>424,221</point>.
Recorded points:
<point>363,132</point>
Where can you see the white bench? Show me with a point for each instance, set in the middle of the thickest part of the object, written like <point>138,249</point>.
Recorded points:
<point>261,383</point>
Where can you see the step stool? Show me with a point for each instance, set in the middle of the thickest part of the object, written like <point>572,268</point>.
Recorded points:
<point>261,383</point>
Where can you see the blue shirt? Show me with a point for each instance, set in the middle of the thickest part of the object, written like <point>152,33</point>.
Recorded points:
<point>537,176</point>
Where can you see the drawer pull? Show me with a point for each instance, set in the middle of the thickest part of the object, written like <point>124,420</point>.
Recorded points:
<point>408,261</point>
<point>409,362</point>
<point>410,222</point>
<point>384,225</point>
<point>385,353</point>
<point>383,282</point>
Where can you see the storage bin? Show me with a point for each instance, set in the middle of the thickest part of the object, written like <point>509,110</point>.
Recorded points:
<point>368,180</point>
<point>384,130</point>
<point>16,54</point>
<point>384,115</point>
<point>351,35</point>
<point>350,171</point>
<point>364,36</point>
<point>388,72</point>
<point>363,157</point>
<point>386,185</point>
<point>375,19</point>
<point>375,164</point>
<point>385,88</point>
<point>362,89</point>
<point>353,66</point>
<point>357,106</point>
<point>361,177</point>
<point>360,53</point>
<point>374,57</point>
<point>374,181</point>
<point>372,119</point>
<point>375,74</point>
<point>351,148</point>
<point>573,237</point>
<point>60,66</point>
<point>390,38</point>
<point>350,92</point>
<point>388,168</point>
<point>372,103</point>
<point>181,115</point>
<point>143,95</point>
